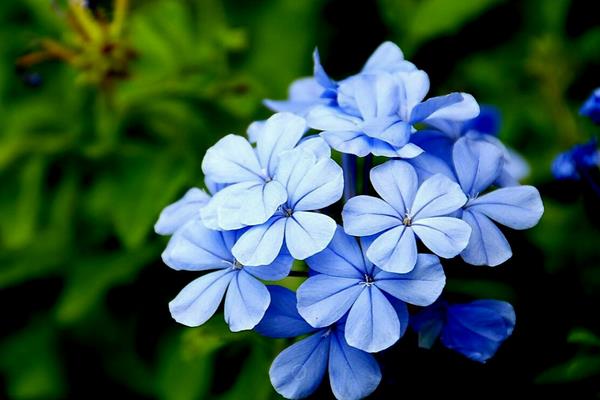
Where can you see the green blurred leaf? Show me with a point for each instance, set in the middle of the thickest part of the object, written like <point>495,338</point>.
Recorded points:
<point>576,369</point>
<point>31,364</point>
<point>481,289</point>
<point>94,275</point>
<point>584,337</point>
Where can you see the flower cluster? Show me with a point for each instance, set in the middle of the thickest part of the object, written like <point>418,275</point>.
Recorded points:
<point>445,187</point>
<point>582,161</point>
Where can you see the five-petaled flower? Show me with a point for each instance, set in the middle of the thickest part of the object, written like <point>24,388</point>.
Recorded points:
<point>405,210</point>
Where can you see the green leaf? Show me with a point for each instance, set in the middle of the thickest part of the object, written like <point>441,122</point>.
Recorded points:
<point>92,276</point>
<point>31,364</point>
<point>481,289</point>
<point>578,368</point>
<point>584,337</point>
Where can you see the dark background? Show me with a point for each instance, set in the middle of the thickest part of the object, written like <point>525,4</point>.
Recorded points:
<point>88,158</point>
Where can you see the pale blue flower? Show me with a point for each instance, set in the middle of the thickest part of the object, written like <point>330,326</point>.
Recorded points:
<point>175,215</point>
<point>407,210</point>
<point>252,195</point>
<point>310,183</point>
<point>196,248</point>
<point>478,165</point>
<point>591,107</point>
<point>348,285</point>
<point>299,370</point>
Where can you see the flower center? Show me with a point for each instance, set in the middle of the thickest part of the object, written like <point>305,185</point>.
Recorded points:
<point>236,264</point>
<point>407,221</point>
<point>369,280</point>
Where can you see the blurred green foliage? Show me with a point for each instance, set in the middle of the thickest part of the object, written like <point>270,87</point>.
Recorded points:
<point>85,169</point>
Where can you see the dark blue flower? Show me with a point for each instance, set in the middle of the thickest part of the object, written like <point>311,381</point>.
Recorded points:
<point>591,107</point>
<point>298,370</point>
<point>580,158</point>
<point>475,329</point>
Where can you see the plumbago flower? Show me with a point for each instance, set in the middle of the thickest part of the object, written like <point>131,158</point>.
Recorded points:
<point>271,200</point>
<point>591,107</point>
<point>407,210</point>
<point>478,165</point>
<point>348,285</point>
<point>298,370</point>
<point>194,247</point>
<point>476,329</point>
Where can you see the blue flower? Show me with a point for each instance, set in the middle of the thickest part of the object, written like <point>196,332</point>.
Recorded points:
<point>477,165</point>
<point>475,329</point>
<point>484,127</point>
<point>374,300</point>
<point>309,183</point>
<point>404,210</point>
<point>252,194</point>
<point>305,93</point>
<point>591,107</point>
<point>175,215</point>
<point>298,370</point>
<point>571,164</point>
<point>376,113</point>
<point>196,248</point>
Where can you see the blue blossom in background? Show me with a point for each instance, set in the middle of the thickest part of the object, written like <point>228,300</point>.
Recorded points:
<point>197,248</point>
<point>309,183</point>
<point>591,107</point>
<point>577,161</point>
<point>478,165</point>
<point>252,195</point>
<point>405,210</point>
<point>475,329</point>
<point>348,285</point>
<point>298,370</point>
<point>376,113</point>
<point>484,127</point>
<point>305,93</point>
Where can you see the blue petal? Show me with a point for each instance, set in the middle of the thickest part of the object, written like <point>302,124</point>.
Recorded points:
<point>437,196</point>
<point>316,145</point>
<point>429,323</point>
<point>278,269</point>
<point>281,132</point>
<point>199,300</point>
<point>445,236</point>
<point>366,215</point>
<point>174,216</point>
<point>387,58</point>
<point>320,75</point>
<point>307,233</point>
<point>372,324</point>
<point>426,165</point>
<point>487,244</point>
<point>353,374</point>
<point>196,248</point>
<point>518,207</point>
<point>323,299</point>
<point>231,160</point>
<point>282,319</point>
<point>331,119</point>
<point>413,86</point>
<point>342,257</point>
<point>298,370</point>
<point>401,311</point>
<point>452,107</point>
<point>421,287</point>
<point>376,95</point>
<point>477,163</point>
<point>350,142</point>
<point>304,93</point>
<point>477,330</point>
<point>246,302</point>
<point>261,244</point>
<point>436,143</point>
<point>254,130</point>
<point>321,185</point>
<point>242,204</point>
<point>396,182</point>
<point>394,250</point>
<point>487,122</point>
